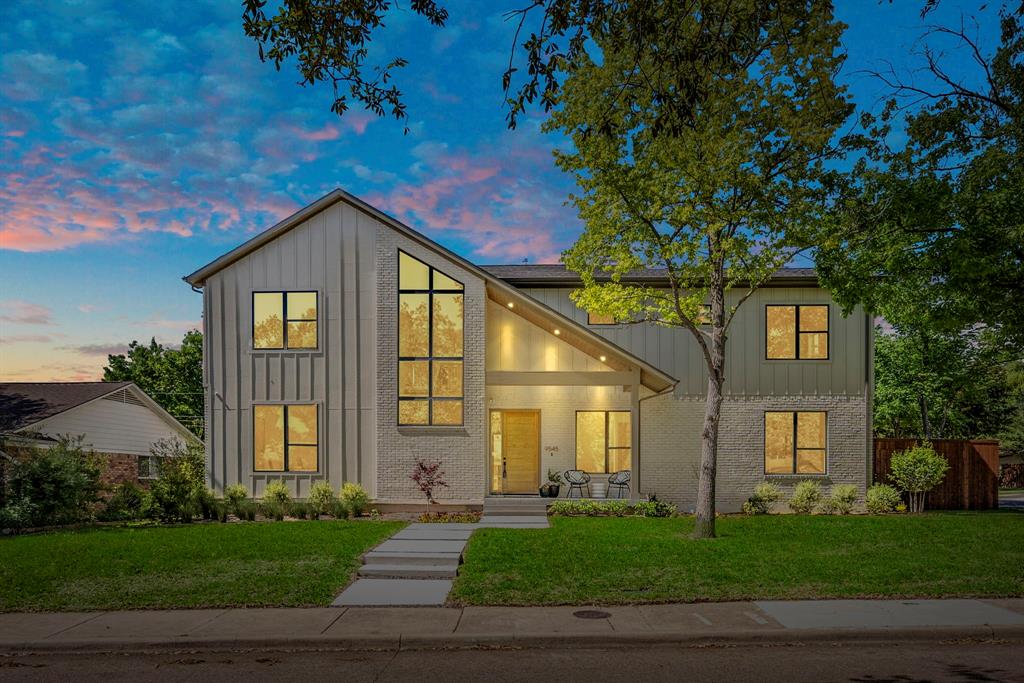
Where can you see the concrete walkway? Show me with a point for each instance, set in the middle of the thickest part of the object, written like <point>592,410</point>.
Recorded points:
<point>549,627</point>
<point>416,566</point>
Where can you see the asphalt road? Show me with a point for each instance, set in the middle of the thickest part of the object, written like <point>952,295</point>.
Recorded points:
<point>875,662</point>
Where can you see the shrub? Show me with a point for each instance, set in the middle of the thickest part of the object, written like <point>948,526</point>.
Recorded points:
<point>448,517</point>
<point>321,499</point>
<point>339,510</point>
<point>125,504</point>
<point>277,492</point>
<point>206,504</point>
<point>355,498</point>
<point>652,507</point>
<point>234,495</point>
<point>588,508</point>
<point>179,493</point>
<point>272,509</point>
<point>806,497</point>
<point>301,510</point>
<point>916,471</point>
<point>881,499</point>
<point>841,501</point>
<point>52,486</point>
<point>428,476</point>
<point>765,494</point>
<point>246,510</point>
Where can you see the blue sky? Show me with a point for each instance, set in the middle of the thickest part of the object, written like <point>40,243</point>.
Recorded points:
<point>142,140</point>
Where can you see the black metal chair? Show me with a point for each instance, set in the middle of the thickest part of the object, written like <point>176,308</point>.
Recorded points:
<point>620,482</point>
<point>577,479</point>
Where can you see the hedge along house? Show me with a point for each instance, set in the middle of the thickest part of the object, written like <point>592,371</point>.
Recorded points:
<point>342,345</point>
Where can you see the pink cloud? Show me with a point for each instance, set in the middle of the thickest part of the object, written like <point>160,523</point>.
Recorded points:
<point>25,313</point>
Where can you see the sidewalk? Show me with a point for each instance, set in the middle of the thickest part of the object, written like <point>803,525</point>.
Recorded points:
<point>395,628</point>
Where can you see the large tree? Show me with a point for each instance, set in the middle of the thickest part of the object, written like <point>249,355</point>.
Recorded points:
<point>717,186</point>
<point>173,377</point>
<point>932,213</point>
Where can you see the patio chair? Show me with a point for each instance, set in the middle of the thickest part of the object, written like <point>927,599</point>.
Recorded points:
<point>620,482</point>
<point>577,479</point>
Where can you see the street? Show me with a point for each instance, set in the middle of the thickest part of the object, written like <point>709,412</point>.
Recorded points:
<point>855,661</point>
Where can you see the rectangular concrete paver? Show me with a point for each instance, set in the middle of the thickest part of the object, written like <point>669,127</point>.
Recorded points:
<point>874,614</point>
<point>270,622</point>
<point>396,592</point>
<point>419,533</point>
<point>390,546</point>
<point>19,627</point>
<point>140,625</point>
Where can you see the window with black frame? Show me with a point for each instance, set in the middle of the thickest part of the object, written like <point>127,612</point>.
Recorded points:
<point>430,338</point>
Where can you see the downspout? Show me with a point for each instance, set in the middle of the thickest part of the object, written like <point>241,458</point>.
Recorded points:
<point>639,421</point>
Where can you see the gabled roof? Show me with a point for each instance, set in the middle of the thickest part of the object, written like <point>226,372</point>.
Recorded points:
<point>25,403</point>
<point>557,275</point>
<point>589,341</point>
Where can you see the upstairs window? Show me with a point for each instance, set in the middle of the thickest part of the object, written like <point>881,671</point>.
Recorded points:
<point>794,442</point>
<point>796,332</point>
<point>598,319</point>
<point>284,438</point>
<point>430,355</point>
<point>284,320</point>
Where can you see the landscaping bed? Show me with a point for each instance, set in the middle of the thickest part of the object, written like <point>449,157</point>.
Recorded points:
<point>618,560</point>
<point>275,564</point>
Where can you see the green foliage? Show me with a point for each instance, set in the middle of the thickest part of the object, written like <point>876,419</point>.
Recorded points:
<point>125,504</point>
<point>806,497</point>
<point>339,510</point>
<point>273,508</point>
<point>916,471</point>
<point>171,377</point>
<point>234,496</point>
<point>654,508</point>
<point>354,497</point>
<point>555,477</point>
<point>321,498</point>
<point>765,495</point>
<point>301,510</point>
<point>882,499</point>
<point>449,517</point>
<point>277,492</point>
<point>179,493</point>
<point>589,508</point>
<point>841,500</point>
<point>246,510</point>
<point>52,486</point>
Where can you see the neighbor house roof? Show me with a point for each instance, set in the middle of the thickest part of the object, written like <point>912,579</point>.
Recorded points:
<point>557,275</point>
<point>497,289</point>
<point>25,403</point>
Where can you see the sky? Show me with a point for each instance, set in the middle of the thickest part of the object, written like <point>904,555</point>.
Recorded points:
<point>139,141</point>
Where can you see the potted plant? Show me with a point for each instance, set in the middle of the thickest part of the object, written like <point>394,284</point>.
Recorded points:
<point>554,484</point>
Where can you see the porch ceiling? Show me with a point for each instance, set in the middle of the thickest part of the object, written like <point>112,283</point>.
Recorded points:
<point>578,336</point>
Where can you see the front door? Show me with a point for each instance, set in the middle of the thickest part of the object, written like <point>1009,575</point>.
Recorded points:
<point>515,444</point>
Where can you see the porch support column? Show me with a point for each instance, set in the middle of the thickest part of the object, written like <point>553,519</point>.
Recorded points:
<point>634,421</point>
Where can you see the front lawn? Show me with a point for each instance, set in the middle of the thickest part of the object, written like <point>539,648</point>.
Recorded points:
<point>631,559</point>
<point>201,565</point>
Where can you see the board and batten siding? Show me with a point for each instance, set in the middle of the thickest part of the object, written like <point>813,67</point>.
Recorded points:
<point>111,426</point>
<point>747,372</point>
<point>331,253</point>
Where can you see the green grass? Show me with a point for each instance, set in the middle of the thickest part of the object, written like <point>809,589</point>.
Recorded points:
<point>202,565</point>
<point>631,560</point>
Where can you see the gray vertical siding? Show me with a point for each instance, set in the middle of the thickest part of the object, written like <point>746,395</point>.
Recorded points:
<point>747,371</point>
<point>332,253</point>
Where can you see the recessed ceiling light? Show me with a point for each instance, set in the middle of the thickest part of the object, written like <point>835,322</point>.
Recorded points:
<point>603,359</point>
<point>558,332</point>
<point>511,305</point>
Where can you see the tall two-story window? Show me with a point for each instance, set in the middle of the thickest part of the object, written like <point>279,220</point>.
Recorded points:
<point>284,438</point>
<point>430,356</point>
<point>284,320</point>
<point>796,332</point>
<point>794,442</point>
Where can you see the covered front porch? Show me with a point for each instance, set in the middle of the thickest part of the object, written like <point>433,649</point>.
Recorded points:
<point>560,397</point>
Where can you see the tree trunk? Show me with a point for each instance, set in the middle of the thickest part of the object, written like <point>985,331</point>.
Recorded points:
<point>704,526</point>
<point>922,402</point>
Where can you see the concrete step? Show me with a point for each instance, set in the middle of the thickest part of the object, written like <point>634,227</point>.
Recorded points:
<point>405,571</point>
<point>377,557</point>
<point>514,512</point>
<point>394,593</point>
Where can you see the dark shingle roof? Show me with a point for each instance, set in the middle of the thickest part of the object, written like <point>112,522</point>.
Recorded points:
<point>25,403</point>
<point>556,273</point>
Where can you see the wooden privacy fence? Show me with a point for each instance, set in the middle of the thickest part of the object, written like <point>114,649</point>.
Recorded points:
<point>972,481</point>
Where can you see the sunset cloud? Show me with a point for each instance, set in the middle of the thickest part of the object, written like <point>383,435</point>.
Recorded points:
<point>25,313</point>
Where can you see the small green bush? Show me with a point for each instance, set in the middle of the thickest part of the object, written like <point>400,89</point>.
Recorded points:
<point>273,509</point>
<point>806,497</point>
<point>51,486</point>
<point>446,517</point>
<point>916,471</point>
<point>179,493</point>
<point>247,510</point>
<point>339,510</point>
<point>765,495</point>
<point>301,510</point>
<point>321,499</point>
<point>355,498</point>
<point>277,492</point>
<point>126,504</point>
<point>19,513</point>
<point>589,508</point>
<point>234,495</point>
<point>654,508</point>
<point>882,499</point>
<point>841,500</point>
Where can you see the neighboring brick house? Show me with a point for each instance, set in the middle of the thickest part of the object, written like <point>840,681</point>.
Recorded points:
<point>115,419</point>
<point>342,345</point>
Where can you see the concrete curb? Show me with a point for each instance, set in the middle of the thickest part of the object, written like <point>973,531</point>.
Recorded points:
<point>725,638</point>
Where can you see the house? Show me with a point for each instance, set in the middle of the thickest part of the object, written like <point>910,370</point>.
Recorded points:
<point>116,420</point>
<point>341,345</point>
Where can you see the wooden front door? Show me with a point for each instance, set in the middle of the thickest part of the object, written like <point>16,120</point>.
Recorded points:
<point>520,451</point>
